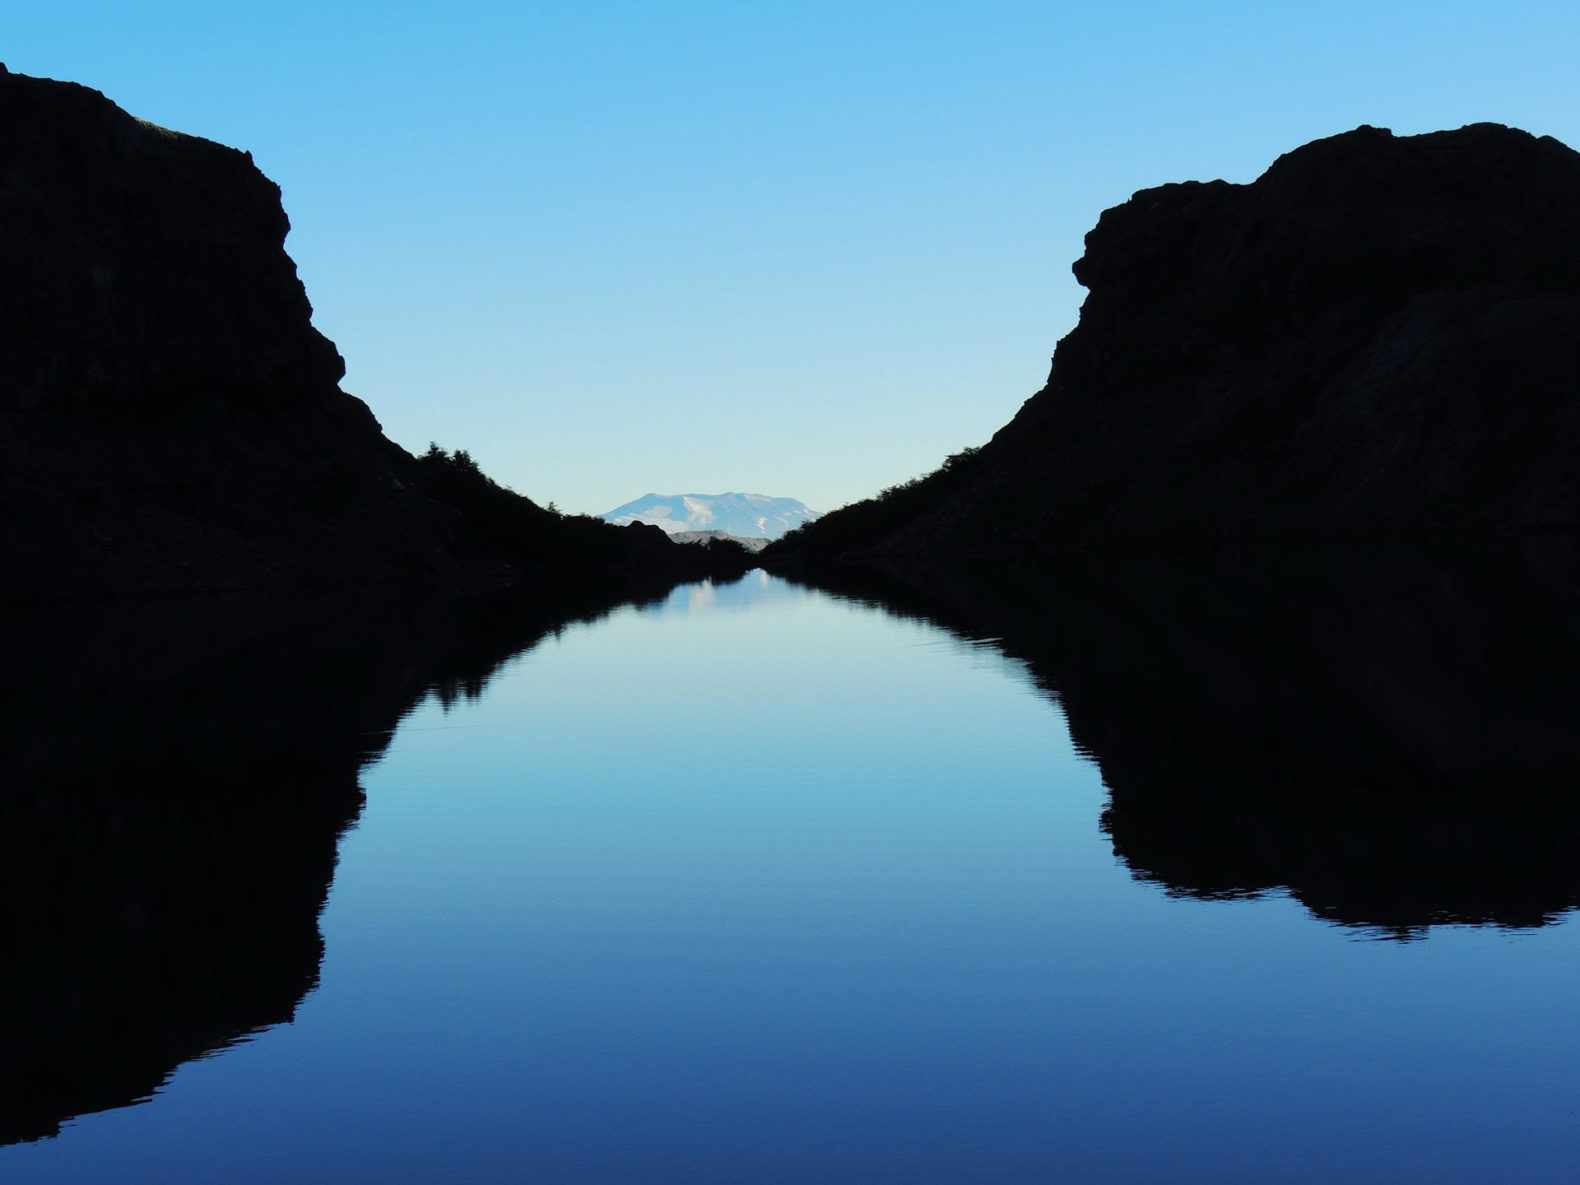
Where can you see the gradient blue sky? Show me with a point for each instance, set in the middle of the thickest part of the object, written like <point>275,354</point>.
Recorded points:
<point>801,249</point>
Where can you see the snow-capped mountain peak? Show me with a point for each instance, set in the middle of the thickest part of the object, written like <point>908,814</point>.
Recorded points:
<point>752,516</point>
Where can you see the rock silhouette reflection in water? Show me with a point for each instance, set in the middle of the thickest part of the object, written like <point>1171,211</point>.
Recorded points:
<point>177,775</point>
<point>1389,734</point>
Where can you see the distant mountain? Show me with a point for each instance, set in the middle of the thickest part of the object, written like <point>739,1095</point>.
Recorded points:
<point>750,516</point>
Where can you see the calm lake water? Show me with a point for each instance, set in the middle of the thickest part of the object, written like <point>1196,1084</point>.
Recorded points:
<point>760,885</point>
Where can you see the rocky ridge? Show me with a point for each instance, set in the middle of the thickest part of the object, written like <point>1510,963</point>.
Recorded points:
<point>170,419</point>
<point>1380,333</point>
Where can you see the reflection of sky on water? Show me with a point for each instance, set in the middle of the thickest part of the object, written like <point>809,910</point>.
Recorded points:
<point>755,590</point>
<point>818,894</point>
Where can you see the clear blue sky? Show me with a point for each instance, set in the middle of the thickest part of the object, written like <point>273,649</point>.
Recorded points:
<point>801,249</point>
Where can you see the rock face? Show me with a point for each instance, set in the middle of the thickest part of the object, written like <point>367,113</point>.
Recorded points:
<point>168,408</point>
<point>169,417</point>
<point>1379,333</point>
<point>145,268</point>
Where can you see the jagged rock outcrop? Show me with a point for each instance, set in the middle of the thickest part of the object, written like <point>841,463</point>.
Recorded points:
<point>145,268</point>
<point>1380,333</point>
<point>169,417</point>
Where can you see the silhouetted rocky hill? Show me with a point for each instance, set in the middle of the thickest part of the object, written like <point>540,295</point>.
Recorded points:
<point>1379,334</point>
<point>171,418</point>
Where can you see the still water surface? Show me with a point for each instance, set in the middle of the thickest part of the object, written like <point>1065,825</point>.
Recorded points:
<point>757,885</point>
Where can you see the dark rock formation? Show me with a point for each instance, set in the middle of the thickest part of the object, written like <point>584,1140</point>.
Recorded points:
<point>177,769</point>
<point>170,419</point>
<point>170,415</point>
<point>145,269</point>
<point>1379,334</point>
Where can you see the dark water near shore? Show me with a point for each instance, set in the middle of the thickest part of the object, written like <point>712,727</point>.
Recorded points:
<point>761,883</point>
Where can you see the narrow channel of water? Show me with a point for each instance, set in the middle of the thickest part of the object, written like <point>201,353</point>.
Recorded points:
<point>760,885</point>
